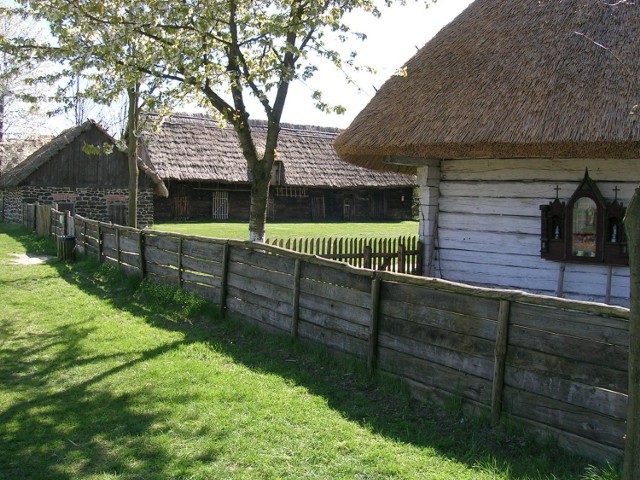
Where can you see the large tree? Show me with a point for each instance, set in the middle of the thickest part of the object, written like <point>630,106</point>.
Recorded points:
<point>219,51</point>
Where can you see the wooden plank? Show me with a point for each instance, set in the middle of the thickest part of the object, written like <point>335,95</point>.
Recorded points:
<point>435,376</point>
<point>193,277</point>
<point>258,273</point>
<point>162,242</point>
<point>208,292</point>
<point>129,244</point>
<point>263,259</point>
<point>373,329</point>
<point>243,284</point>
<point>295,301</point>
<point>557,414</point>
<point>427,316</point>
<point>335,276</point>
<point>331,322</point>
<point>499,362</point>
<point>278,306</point>
<point>571,369</point>
<point>576,324</point>
<point>154,255</point>
<point>335,308</point>
<point>441,300</point>
<point>460,343</point>
<point>203,249</point>
<point>131,259</point>
<point>261,315</point>
<point>606,402</point>
<point>333,339</point>
<point>202,266</point>
<point>569,347</point>
<point>162,272</point>
<point>464,363</point>
<point>346,295</point>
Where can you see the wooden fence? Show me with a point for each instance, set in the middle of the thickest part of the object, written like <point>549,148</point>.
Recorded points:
<point>556,366</point>
<point>46,220</point>
<point>401,254</point>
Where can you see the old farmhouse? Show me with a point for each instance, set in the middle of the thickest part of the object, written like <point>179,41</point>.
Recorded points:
<point>207,178</point>
<point>81,171</point>
<point>521,120</point>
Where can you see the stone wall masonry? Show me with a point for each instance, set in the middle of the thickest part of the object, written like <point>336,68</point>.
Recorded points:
<point>88,202</point>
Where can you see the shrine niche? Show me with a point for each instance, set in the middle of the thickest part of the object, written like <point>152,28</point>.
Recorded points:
<point>585,229</point>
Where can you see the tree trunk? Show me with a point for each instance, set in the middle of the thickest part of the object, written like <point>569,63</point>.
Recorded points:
<point>632,445</point>
<point>132,154</point>
<point>258,210</point>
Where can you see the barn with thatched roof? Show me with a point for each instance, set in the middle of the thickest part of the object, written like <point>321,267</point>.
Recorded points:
<point>82,171</point>
<point>203,167</point>
<point>521,120</point>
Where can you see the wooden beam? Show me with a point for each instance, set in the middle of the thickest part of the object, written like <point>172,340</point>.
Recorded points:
<point>500,356</point>
<point>411,161</point>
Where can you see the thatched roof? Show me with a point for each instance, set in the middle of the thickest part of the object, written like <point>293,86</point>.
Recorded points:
<point>196,148</point>
<point>20,172</point>
<point>518,78</point>
<point>15,150</point>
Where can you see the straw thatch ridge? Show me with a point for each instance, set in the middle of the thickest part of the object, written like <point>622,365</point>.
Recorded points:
<point>20,172</point>
<point>198,148</point>
<point>523,78</point>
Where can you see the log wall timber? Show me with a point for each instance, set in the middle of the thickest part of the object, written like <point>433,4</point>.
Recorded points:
<point>555,365</point>
<point>487,224</point>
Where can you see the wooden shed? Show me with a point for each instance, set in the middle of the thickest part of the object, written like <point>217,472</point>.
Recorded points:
<point>82,171</point>
<point>206,174</point>
<point>521,120</point>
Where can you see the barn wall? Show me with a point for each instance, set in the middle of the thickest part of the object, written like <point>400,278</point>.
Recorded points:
<point>488,225</point>
<point>73,167</point>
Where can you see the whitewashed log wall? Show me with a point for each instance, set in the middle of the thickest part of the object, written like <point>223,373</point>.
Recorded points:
<point>487,224</point>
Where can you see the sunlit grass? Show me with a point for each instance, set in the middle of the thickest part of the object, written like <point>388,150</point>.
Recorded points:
<point>108,377</point>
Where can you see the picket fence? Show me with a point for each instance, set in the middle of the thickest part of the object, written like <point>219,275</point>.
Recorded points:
<point>401,254</point>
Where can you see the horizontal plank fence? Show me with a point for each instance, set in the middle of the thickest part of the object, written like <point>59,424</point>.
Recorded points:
<point>556,366</point>
<point>399,254</point>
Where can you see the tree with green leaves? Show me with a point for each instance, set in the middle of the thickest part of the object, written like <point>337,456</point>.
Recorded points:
<point>220,53</point>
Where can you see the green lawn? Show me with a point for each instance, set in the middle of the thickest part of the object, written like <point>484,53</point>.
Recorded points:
<point>240,230</point>
<point>103,377</point>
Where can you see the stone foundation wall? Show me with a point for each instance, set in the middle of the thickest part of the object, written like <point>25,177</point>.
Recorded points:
<point>94,203</point>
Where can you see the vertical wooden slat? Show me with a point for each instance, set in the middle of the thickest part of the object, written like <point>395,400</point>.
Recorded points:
<point>500,354</point>
<point>224,281</point>
<point>401,259</point>
<point>143,267</point>
<point>373,327</point>
<point>180,268</point>
<point>100,241</point>
<point>295,315</point>
<point>118,245</point>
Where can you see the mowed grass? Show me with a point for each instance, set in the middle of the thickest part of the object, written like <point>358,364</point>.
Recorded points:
<point>240,230</point>
<point>106,377</point>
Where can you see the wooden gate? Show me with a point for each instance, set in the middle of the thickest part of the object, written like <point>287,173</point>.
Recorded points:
<point>317,208</point>
<point>220,209</point>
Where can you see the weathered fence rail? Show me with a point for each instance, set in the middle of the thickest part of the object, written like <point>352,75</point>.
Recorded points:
<point>556,366</point>
<point>400,254</point>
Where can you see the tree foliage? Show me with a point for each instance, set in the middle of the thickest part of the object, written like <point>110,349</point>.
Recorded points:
<point>220,53</point>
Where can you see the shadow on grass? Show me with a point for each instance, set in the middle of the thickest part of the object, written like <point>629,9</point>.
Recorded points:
<point>381,405</point>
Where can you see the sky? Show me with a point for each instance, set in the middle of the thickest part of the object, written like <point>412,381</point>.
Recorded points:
<point>391,41</point>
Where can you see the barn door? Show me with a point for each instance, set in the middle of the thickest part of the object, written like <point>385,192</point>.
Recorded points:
<point>117,213</point>
<point>220,210</point>
<point>181,208</point>
<point>317,208</point>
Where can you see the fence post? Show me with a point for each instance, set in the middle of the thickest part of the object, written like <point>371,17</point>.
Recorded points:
<point>34,227</point>
<point>224,280</point>
<point>143,269</point>
<point>295,316</point>
<point>180,269</point>
<point>375,318</point>
<point>401,258</point>
<point>100,241</point>
<point>367,257</point>
<point>500,355</point>
<point>118,245</point>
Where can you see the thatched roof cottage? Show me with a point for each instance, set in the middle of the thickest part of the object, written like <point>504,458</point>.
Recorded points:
<point>206,174</point>
<point>521,120</point>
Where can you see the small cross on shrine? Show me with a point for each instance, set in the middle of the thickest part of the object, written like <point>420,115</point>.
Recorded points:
<point>557,189</point>
<point>616,189</point>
